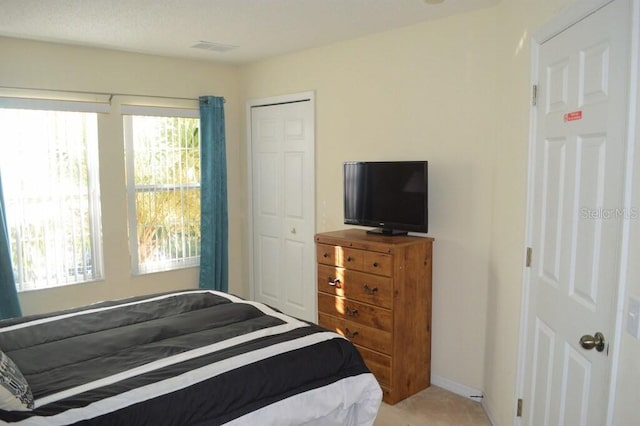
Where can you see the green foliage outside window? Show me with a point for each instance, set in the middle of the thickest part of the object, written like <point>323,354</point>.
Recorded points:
<point>167,189</point>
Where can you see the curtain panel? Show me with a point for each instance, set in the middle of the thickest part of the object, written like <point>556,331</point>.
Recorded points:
<point>9,305</point>
<point>214,256</point>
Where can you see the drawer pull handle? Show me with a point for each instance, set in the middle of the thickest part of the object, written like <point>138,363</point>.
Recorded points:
<point>334,282</point>
<point>369,290</point>
<point>325,255</point>
<point>349,258</point>
<point>351,312</point>
<point>376,264</point>
<point>350,334</point>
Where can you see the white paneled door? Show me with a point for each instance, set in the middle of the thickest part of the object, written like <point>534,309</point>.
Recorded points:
<point>577,216</point>
<point>283,206</point>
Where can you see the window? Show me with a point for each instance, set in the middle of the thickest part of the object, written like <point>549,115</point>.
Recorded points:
<point>49,164</point>
<point>163,187</point>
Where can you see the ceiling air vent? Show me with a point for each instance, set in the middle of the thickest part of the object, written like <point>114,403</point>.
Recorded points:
<point>215,47</point>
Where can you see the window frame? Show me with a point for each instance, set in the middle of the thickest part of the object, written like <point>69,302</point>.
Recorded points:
<point>127,113</point>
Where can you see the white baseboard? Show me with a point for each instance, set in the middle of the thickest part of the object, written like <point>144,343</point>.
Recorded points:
<point>489,412</point>
<point>465,391</point>
<point>457,388</point>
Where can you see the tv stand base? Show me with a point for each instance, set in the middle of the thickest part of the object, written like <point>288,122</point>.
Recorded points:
<point>385,231</point>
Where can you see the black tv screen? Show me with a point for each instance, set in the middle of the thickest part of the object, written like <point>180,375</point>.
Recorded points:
<point>391,196</point>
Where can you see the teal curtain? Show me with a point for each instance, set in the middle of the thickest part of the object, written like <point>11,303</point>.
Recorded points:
<point>214,254</point>
<point>9,305</point>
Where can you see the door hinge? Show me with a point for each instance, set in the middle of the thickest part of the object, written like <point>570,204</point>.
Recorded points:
<point>529,254</point>
<point>534,95</point>
<point>519,409</point>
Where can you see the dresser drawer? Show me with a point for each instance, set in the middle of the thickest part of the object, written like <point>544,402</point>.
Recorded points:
<point>371,316</point>
<point>377,263</point>
<point>380,365</point>
<point>344,257</point>
<point>367,288</point>
<point>357,333</point>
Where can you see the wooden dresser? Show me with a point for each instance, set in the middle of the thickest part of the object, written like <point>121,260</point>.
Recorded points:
<point>376,291</point>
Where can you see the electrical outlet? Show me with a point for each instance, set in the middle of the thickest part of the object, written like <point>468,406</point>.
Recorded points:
<point>633,317</point>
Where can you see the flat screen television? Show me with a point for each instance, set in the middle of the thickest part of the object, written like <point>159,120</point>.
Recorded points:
<point>391,196</point>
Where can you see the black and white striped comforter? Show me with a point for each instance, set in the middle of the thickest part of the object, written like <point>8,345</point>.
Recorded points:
<point>186,358</point>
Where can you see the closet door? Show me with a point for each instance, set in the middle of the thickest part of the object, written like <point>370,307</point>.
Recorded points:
<point>283,206</point>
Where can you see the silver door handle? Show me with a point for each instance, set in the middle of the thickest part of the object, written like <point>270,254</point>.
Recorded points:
<point>596,341</point>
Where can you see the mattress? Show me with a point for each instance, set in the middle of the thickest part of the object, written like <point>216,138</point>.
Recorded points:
<point>186,358</point>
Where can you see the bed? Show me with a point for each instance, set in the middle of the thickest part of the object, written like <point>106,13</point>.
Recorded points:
<point>195,357</point>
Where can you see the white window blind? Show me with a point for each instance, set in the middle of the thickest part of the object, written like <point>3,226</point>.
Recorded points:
<point>49,166</point>
<point>53,105</point>
<point>163,187</point>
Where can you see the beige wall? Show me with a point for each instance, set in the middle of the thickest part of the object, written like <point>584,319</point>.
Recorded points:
<point>50,66</point>
<point>423,92</point>
<point>518,19</point>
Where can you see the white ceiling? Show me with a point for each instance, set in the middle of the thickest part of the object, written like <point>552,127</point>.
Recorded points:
<point>259,28</point>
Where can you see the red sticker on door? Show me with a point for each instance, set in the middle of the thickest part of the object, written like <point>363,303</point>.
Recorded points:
<point>573,116</point>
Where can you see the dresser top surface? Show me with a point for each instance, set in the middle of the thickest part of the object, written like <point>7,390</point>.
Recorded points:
<point>361,236</point>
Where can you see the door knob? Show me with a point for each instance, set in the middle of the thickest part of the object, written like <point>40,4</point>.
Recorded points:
<point>596,341</point>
